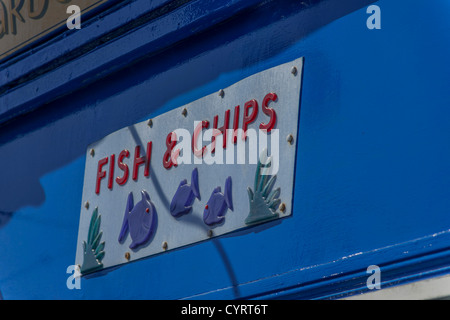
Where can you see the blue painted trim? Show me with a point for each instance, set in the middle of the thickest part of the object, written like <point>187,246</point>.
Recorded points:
<point>194,17</point>
<point>399,264</point>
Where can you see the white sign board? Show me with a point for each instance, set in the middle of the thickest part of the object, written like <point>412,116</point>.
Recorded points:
<point>216,165</point>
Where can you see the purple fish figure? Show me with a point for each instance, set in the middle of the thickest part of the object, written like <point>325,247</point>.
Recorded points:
<point>139,219</point>
<point>218,204</point>
<point>184,196</point>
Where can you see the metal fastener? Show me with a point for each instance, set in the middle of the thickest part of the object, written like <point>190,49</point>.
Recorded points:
<point>294,71</point>
<point>221,93</point>
<point>210,233</point>
<point>282,207</point>
<point>127,256</point>
<point>184,112</point>
<point>290,138</point>
<point>86,205</point>
<point>164,245</point>
<point>150,122</point>
<point>92,152</point>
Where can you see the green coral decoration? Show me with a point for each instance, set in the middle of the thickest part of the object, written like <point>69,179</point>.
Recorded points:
<point>263,201</point>
<point>93,250</point>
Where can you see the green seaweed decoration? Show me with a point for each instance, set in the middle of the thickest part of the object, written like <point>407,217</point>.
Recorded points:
<point>263,201</point>
<point>93,250</point>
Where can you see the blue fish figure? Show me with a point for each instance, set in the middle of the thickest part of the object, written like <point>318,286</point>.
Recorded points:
<point>139,219</point>
<point>218,204</point>
<point>184,196</point>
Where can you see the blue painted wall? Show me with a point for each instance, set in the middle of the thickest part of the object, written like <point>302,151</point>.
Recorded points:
<point>372,177</point>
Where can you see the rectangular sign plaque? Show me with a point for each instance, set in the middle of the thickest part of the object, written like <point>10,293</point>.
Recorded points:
<point>219,164</point>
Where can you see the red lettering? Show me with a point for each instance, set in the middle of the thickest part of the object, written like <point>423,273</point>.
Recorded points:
<point>122,180</point>
<point>145,159</point>
<point>170,157</point>
<point>100,173</point>
<point>235,123</point>
<point>249,118</point>
<point>222,130</point>
<point>201,125</point>
<point>111,171</point>
<point>269,111</point>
